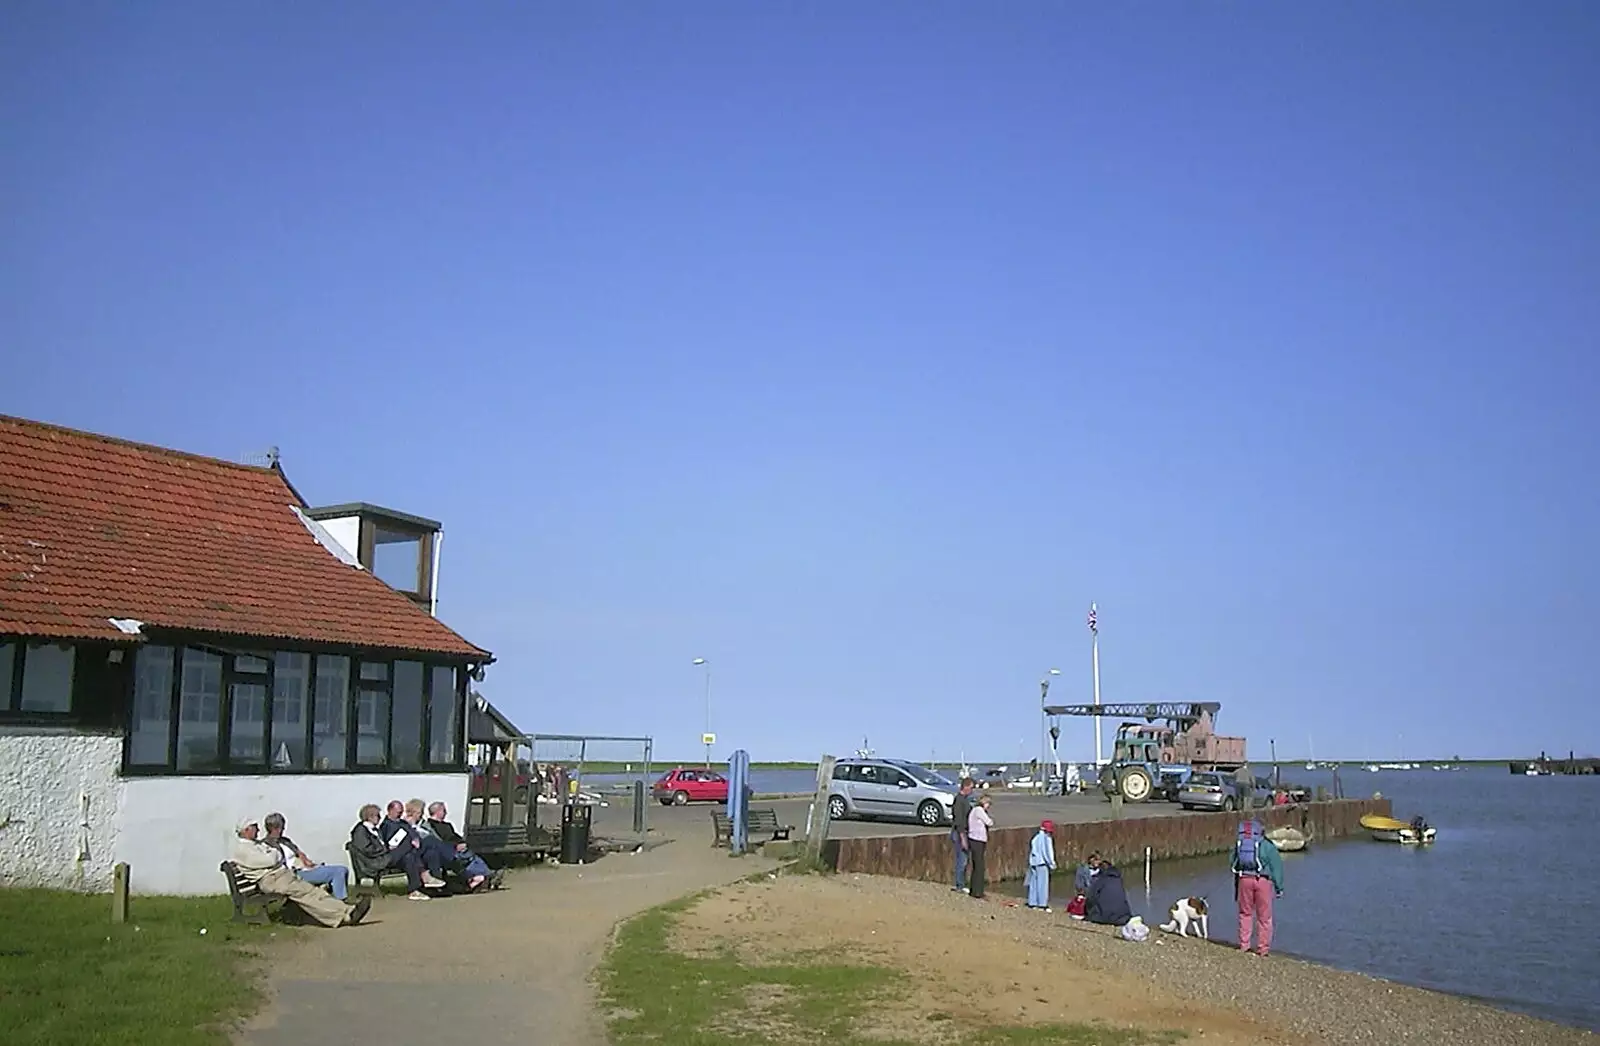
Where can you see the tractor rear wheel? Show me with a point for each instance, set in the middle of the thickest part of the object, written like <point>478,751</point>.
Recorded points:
<point>1135,784</point>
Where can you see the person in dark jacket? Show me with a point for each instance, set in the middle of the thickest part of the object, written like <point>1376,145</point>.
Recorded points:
<point>473,869</point>
<point>436,856</point>
<point>960,811</point>
<point>1108,901</point>
<point>370,853</point>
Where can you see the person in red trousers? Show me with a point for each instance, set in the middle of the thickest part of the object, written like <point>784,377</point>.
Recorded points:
<point>1257,880</point>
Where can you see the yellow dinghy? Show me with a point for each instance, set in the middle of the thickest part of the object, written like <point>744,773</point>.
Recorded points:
<point>1388,830</point>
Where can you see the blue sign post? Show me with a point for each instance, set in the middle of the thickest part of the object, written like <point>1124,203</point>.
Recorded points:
<point>739,800</point>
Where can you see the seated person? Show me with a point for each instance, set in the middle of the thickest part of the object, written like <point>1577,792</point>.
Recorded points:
<point>334,876</point>
<point>1085,874</point>
<point>474,868</point>
<point>371,852</point>
<point>260,864</point>
<point>1107,901</point>
<point>435,855</point>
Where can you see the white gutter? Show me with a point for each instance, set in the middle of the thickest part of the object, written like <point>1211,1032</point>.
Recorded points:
<point>433,594</point>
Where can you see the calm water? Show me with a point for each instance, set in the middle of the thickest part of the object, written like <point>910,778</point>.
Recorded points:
<point>1503,907</point>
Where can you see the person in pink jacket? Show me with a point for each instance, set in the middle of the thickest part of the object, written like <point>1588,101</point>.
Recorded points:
<point>978,824</point>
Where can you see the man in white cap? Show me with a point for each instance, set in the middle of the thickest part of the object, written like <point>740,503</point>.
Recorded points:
<point>263,865</point>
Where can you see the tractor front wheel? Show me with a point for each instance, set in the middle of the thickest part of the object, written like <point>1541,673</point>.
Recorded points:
<point>1135,784</point>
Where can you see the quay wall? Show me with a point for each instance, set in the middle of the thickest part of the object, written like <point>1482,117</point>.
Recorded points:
<point>927,857</point>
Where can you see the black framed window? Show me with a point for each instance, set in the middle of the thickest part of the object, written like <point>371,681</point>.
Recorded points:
<point>445,701</point>
<point>36,677</point>
<point>208,710</point>
<point>407,726</point>
<point>291,703</point>
<point>330,719</point>
<point>150,726</point>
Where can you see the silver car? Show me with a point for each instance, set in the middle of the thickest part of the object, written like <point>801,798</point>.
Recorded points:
<point>1209,791</point>
<point>891,788</point>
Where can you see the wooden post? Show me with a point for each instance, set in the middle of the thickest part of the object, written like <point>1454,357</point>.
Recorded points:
<point>1116,806</point>
<point>119,892</point>
<point>817,819</point>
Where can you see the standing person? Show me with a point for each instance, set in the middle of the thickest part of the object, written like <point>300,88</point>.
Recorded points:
<point>960,811</point>
<point>978,824</point>
<point>1257,878</point>
<point>1244,782</point>
<point>1041,862</point>
<point>334,876</point>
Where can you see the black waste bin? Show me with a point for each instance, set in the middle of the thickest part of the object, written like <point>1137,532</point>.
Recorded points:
<point>575,821</point>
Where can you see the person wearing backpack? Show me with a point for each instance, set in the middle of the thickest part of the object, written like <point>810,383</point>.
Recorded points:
<point>1257,879</point>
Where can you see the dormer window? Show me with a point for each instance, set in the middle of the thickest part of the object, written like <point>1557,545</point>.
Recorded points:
<point>400,549</point>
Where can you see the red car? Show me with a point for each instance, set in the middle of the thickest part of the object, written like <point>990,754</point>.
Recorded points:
<point>681,786</point>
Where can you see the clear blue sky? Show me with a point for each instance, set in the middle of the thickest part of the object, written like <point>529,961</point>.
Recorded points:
<point>858,347</point>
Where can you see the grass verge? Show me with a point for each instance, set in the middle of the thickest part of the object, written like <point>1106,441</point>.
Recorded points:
<point>656,995</point>
<point>68,975</point>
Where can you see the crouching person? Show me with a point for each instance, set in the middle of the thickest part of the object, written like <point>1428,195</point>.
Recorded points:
<point>477,872</point>
<point>263,866</point>
<point>371,852</point>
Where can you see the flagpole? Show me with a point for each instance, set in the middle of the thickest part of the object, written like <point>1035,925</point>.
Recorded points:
<point>1094,648</point>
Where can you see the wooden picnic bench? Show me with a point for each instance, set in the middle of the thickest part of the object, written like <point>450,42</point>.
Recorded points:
<point>250,903</point>
<point>762,821</point>
<point>502,840</point>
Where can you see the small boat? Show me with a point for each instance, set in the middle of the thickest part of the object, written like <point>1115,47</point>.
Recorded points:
<point>1288,840</point>
<point>1388,830</point>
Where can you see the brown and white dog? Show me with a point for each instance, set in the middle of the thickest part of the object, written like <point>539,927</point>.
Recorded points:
<point>1187,912</point>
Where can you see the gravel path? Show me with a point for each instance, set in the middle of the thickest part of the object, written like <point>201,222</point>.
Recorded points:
<point>510,967</point>
<point>1332,1006</point>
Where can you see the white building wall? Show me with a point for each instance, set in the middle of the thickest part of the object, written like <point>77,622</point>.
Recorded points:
<point>174,831</point>
<point>346,530</point>
<point>59,795</point>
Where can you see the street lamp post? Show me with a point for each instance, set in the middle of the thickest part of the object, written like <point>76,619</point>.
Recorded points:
<point>1044,724</point>
<point>706,736</point>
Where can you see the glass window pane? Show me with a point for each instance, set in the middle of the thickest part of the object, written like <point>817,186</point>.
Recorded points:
<point>397,559</point>
<point>290,674</point>
<point>247,733</point>
<point>375,670</point>
<point>331,718</point>
<point>8,660</point>
<point>372,728</point>
<point>199,707</point>
<point>249,663</point>
<point>150,738</point>
<point>407,731</point>
<point>444,712</point>
<point>47,678</point>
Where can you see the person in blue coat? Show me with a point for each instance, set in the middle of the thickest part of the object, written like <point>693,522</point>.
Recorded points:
<point>1041,862</point>
<point>1108,901</point>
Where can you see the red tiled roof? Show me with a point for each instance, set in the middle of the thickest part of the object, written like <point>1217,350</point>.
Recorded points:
<point>93,528</point>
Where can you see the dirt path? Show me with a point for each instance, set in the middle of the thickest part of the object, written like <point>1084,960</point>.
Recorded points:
<point>507,967</point>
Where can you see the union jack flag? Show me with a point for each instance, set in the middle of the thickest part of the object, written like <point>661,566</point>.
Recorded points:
<point>1093,625</point>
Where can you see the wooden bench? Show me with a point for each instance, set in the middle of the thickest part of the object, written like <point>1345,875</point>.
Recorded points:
<point>370,885</point>
<point>250,903</point>
<point>763,821</point>
<point>493,840</point>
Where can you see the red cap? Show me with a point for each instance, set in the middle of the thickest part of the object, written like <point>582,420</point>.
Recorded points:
<point>1048,825</point>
